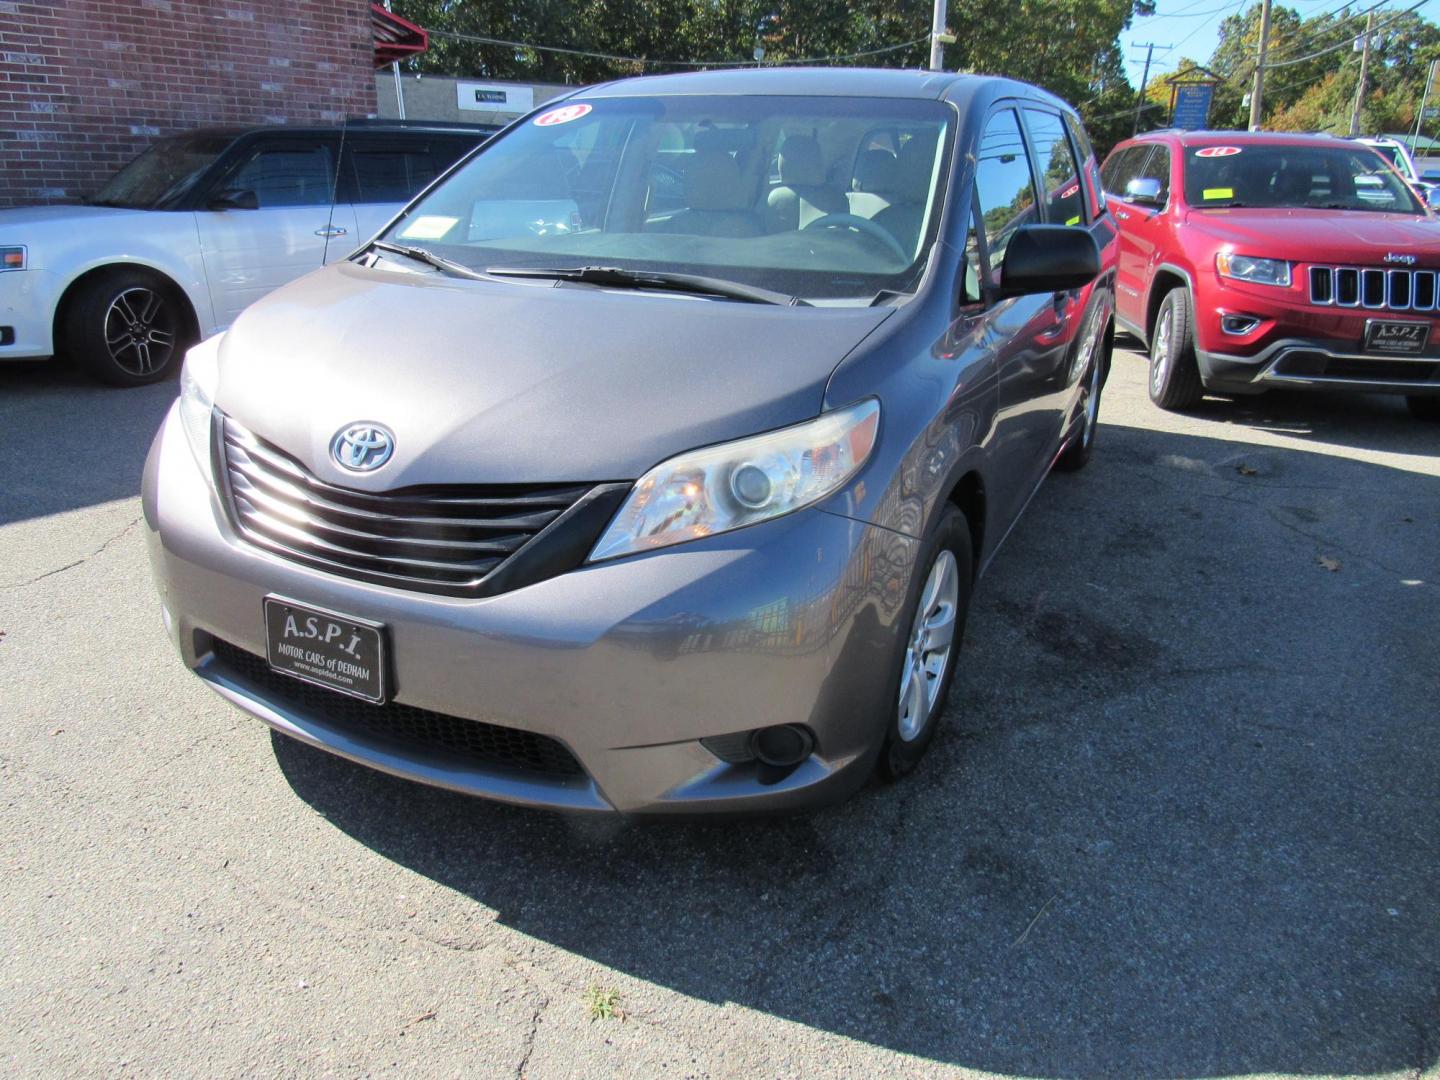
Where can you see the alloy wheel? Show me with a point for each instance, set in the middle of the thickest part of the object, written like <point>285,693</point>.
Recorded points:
<point>140,331</point>
<point>927,653</point>
<point>1160,354</point>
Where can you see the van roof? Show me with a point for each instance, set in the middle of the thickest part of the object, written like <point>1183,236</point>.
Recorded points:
<point>821,81</point>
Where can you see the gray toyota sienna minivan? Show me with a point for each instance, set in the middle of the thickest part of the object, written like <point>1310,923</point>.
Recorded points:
<point>647,460</point>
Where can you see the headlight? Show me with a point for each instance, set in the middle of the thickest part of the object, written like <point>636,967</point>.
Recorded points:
<point>719,488</point>
<point>1248,268</point>
<point>198,380</point>
<point>12,257</point>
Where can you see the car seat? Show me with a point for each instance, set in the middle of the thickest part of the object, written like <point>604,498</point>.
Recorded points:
<point>802,194</point>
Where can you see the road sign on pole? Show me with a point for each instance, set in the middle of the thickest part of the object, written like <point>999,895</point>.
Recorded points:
<point>1191,92</point>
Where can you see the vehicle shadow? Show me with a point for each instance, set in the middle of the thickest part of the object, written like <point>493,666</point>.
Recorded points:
<point>68,442</point>
<point>1376,422</point>
<point>1182,822</point>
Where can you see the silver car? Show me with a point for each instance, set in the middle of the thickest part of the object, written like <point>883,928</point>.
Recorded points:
<point>646,462</point>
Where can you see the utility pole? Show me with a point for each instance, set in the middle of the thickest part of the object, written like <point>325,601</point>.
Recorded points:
<point>1257,89</point>
<point>1424,100</point>
<point>1144,80</point>
<point>1364,75</point>
<point>938,37</point>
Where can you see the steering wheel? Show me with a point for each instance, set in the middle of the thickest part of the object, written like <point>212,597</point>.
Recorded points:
<point>864,226</point>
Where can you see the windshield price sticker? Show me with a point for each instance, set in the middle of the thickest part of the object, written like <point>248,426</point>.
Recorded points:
<point>561,115</point>
<point>1219,193</point>
<point>1218,151</point>
<point>429,227</point>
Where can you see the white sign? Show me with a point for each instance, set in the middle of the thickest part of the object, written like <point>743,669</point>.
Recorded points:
<point>494,97</point>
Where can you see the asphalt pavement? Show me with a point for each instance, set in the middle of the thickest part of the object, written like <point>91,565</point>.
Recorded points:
<point>1181,820</point>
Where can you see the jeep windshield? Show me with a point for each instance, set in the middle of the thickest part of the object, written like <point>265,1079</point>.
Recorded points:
<point>824,198</point>
<point>1295,177</point>
<point>163,173</point>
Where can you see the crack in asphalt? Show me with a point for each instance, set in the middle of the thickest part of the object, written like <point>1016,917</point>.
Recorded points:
<point>78,562</point>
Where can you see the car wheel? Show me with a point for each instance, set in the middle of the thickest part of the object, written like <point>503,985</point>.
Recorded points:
<point>1174,372</point>
<point>940,598</point>
<point>1094,362</point>
<point>1424,407</point>
<point>126,328</point>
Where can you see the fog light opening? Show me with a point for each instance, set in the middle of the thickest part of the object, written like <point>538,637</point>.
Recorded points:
<point>783,745</point>
<point>1238,325</point>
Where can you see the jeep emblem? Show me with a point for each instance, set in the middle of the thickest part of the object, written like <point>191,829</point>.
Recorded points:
<point>1396,257</point>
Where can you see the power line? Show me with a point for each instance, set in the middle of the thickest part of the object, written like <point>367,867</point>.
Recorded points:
<point>1389,22</point>
<point>483,40</point>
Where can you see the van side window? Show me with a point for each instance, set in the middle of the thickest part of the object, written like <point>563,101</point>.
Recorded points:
<point>287,174</point>
<point>386,174</point>
<point>1059,173</point>
<point>1003,185</point>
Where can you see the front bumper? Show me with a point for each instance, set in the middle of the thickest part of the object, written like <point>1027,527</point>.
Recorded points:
<point>27,309</point>
<point>628,664</point>
<point>1319,364</point>
<point>1302,345</point>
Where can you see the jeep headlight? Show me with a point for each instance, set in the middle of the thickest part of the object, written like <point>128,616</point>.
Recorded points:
<point>719,488</point>
<point>198,381</point>
<point>1249,268</point>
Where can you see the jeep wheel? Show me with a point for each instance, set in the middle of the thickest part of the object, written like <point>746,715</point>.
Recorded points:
<point>1174,372</point>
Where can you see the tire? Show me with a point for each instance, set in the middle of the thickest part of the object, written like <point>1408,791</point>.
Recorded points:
<point>1095,366</point>
<point>126,327</point>
<point>1174,373</point>
<point>1424,407</point>
<point>909,731</point>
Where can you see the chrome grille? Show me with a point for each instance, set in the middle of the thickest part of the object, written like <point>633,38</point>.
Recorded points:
<point>445,539</point>
<point>1374,289</point>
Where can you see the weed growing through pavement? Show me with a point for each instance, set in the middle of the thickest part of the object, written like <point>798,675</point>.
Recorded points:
<point>603,1003</point>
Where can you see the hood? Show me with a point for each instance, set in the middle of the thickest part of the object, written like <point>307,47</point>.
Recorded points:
<point>1329,236</point>
<point>528,382</point>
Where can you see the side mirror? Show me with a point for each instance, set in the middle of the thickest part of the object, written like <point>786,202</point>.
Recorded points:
<point>233,200</point>
<point>1432,197</point>
<point>1144,190</point>
<point>1048,258</point>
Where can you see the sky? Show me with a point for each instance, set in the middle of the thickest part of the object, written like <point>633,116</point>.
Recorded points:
<point>1192,28</point>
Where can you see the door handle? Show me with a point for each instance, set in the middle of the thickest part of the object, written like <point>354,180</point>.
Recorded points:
<point>1122,215</point>
<point>330,231</point>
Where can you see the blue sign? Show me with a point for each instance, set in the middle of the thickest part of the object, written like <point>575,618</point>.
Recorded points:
<point>1192,106</point>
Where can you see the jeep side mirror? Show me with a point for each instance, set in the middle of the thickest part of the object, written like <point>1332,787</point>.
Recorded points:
<point>233,200</point>
<point>1048,258</point>
<point>1144,190</point>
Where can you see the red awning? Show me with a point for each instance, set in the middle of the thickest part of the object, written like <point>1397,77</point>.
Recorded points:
<point>395,38</point>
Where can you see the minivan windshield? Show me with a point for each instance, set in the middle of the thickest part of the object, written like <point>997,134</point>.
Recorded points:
<point>824,198</point>
<point>1278,176</point>
<point>162,173</point>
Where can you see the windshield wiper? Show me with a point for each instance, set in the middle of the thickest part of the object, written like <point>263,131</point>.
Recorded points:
<point>429,258</point>
<point>620,278</point>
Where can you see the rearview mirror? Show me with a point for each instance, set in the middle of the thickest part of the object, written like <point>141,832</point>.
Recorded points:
<point>1048,258</point>
<point>1145,190</point>
<point>234,200</point>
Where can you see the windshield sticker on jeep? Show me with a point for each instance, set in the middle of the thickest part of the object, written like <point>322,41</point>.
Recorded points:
<point>1218,151</point>
<point>561,115</point>
<point>429,227</point>
<point>1218,193</point>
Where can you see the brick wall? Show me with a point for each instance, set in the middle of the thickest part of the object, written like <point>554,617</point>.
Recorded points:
<point>85,85</point>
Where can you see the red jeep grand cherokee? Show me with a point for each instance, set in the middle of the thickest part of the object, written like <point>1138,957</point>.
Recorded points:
<point>1252,260</point>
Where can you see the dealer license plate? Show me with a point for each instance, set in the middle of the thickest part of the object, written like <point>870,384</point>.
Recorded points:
<point>335,651</point>
<point>1396,338</point>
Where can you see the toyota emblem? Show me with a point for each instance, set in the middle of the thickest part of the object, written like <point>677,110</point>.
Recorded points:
<point>363,447</point>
